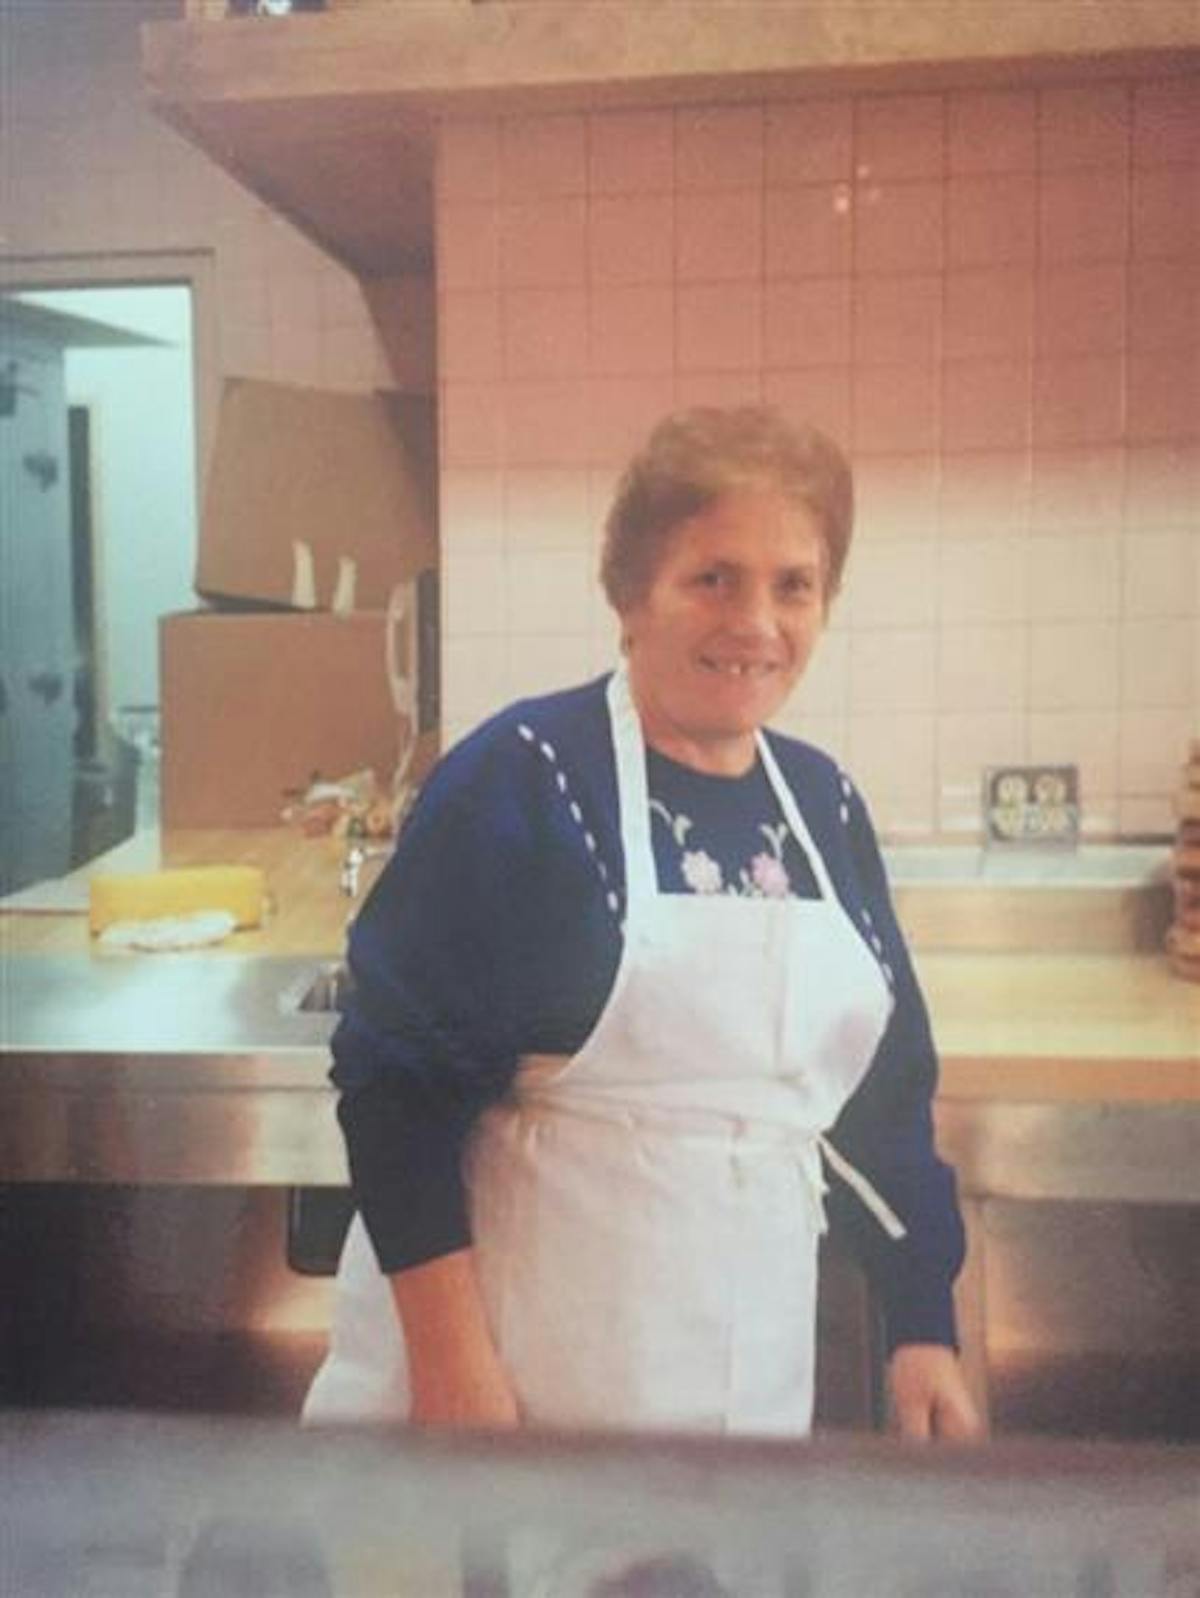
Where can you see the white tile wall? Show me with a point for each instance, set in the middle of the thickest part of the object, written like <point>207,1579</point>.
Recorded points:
<point>1074,577</point>
<point>967,743</point>
<point>1151,747</point>
<point>982,580</point>
<point>983,667</point>
<point>1074,665</point>
<point>892,669</point>
<point>893,759</point>
<point>825,687</point>
<point>892,584</point>
<point>1087,738</point>
<point>1158,663</point>
<point>549,593</point>
<point>991,294</point>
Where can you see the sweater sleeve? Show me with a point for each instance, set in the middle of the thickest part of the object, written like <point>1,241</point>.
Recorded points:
<point>427,1038</point>
<point>886,1130</point>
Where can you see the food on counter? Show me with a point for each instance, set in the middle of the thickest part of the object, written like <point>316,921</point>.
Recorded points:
<point>150,895</point>
<point>351,807</point>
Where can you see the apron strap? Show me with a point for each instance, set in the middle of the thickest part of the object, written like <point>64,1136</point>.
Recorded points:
<point>629,749</point>
<point>791,812</point>
<point>633,796</point>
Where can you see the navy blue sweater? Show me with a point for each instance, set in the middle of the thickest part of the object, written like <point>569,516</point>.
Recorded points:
<point>495,931</point>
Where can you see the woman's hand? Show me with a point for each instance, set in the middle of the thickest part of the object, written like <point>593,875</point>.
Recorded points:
<point>468,1396</point>
<point>929,1395</point>
<point>455,1373</point>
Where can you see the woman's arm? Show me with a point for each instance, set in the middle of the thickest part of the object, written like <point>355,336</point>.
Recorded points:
<point>886,1130</point>
<point>424,1045</point>
<point>455,1373</point>
<point>486,937</point>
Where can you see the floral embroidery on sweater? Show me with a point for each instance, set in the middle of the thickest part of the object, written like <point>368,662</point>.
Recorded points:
<point>766,876</point>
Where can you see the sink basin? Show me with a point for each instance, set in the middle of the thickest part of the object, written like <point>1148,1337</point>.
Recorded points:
<point>324,991</point>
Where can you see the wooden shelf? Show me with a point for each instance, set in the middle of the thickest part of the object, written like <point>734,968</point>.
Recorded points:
<point>330,117</point>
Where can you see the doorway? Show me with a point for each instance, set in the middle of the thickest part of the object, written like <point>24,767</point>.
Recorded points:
<point>114,549</point>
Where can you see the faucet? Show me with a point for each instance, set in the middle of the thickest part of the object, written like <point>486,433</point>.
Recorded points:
<point>356,854</point>
<point>351,867</point>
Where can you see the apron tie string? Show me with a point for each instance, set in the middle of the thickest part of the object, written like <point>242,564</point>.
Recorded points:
<point>813,1173</point>
<point>868,1194</point>
<point>535,1097</point>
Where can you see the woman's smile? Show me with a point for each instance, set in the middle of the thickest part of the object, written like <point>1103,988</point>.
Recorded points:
<point>739,668</point>
<point>744,678</point>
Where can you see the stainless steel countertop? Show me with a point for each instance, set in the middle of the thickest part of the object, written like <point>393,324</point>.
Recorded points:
<point>159,1004</point>
<point>163,1069</point>
<point>202,1069</point>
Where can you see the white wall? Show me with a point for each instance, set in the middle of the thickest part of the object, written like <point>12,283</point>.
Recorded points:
<point>992,296</point>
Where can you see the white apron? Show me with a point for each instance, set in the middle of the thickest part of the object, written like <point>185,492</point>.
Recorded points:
<point>646,1214</point>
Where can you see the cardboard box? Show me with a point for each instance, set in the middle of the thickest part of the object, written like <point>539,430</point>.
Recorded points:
<point>315,500</point>
<point>256,704</point>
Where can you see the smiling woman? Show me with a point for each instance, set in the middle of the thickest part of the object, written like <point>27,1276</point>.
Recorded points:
<point>628,991</point>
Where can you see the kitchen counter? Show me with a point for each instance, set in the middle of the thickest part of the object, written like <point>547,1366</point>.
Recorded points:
<point>195,1067</point>
<point>1067,1077</point>
<point>307,913</point>
<point>1059,1021</point>
<point>201,1067</point>
<point>1058,1026</point>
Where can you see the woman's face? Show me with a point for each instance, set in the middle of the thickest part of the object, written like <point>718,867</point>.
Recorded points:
<point>726,627</point>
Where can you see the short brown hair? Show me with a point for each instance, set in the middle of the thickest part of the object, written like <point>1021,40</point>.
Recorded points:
<point>691,459</point>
